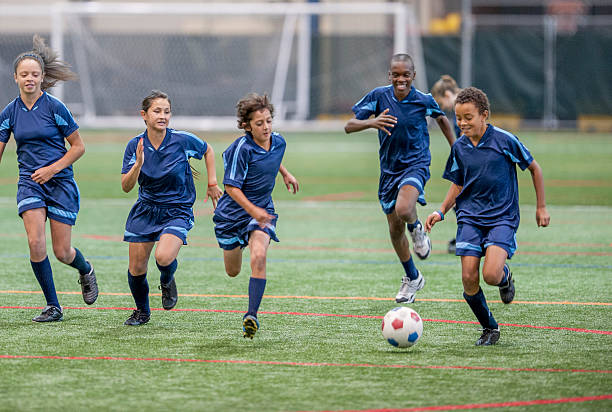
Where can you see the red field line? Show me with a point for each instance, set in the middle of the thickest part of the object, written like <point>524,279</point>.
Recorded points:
<point>305,297</point>
<point>513,404</point>
<point>336,315</point>
<point>282,363</point>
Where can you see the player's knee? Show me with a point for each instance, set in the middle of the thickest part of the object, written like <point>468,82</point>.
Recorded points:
<point>407,213</point>
<point>491,277</point>
<point>37,246</point>
<point>164,259</point>
<point>232,272</point>
<point>62,254</point>
<point>470,281</point>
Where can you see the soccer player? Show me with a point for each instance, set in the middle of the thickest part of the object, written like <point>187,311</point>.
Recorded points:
<point>482,171</point>
<point>245,214</point>
<point>399,113</point>
<point>158,159</point>
<point>444,91</point>
<point>46,188</point>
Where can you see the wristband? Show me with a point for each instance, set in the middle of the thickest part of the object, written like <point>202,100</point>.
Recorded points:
<point>441,214</point>
<point>213,185</point>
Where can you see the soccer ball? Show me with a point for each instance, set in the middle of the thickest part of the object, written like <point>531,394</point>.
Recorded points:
<point>402,327</point>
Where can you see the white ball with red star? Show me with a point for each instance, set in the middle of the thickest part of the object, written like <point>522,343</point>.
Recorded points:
<point>402,327</point>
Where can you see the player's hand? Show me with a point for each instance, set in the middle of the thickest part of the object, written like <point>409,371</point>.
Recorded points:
<point>542,217</point>
<point>214,192</point>
<point>262,217</point>
<point>291,183</point>
<point>384,121</point>
<point>140,152</point>
<point>431,221</point>
<point>44,174</point>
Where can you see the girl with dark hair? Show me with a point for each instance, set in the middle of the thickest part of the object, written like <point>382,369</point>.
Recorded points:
<point>40,124</point>
<point>245,214</point>
<point>158,160</point>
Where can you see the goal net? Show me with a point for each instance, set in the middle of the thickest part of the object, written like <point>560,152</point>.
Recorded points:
<point>315,60</point>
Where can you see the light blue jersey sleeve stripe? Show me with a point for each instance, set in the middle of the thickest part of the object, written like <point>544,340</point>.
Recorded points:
<point>512,137</point>
<point>59,120</point>
<point>455,166</point>
<point>5,125</point>
<point>235,159</point>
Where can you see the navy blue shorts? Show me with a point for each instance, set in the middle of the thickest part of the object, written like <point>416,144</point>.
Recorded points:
<point>147,222</point>
<point>233,233</point>
<point>59,196</point>
<point>473,240</point>
<point>390,185</point>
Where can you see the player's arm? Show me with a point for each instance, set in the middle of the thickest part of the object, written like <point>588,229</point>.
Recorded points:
<point>542,216</point>
<point>447,204</point>
<point>447,129</point>
<point>129,179</point>
<point>290,181</point>
<point>383,121</point>
<point>2,146</point>
<point>77,148</point>
<point>259,214</point>
<point>212,190</point>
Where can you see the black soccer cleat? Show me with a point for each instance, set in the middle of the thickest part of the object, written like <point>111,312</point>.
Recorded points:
<point>506,292</point>
<point>50,314</point>
<point>137,318</point>
<point>488,337</point>
<point>169,294</point>
<point>89,285</point>
<point>452,246</point>
<point>250,325</point>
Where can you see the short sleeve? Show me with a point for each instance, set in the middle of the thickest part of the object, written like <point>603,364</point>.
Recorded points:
<point>63,118</point>
<point>5,124</point>
<point>517,152</point>
<point>433,110</point>
<point>452,171</point>
<point>236,162</point>
<point>129,157</point>
<point>366,107</point>
<point>194,146</point>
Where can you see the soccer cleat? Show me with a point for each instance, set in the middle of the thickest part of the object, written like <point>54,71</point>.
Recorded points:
<point>249,326</point>
<point>169,294</point>
<point>409,288</point>
<point>506,292</point>
<point>89,285</point>
<point>137,318</point>
<point>420,241</point>
<point>452,246</point>
<point>488,337</point>
<point>50,314</point>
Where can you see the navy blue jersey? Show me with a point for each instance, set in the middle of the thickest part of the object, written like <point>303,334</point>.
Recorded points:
<point>487,174</point>
<point>165,177</point>
<point>408,144</point>
<point>39,132</point>
<point>253,170</point>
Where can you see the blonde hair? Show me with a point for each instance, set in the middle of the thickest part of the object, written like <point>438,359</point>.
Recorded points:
<point>54,69</point>
<point>444,84</point>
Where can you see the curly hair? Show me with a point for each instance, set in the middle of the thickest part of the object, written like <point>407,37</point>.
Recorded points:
<point>249,104</point>
<point>475,96</point>
<point>445,83</point>
<point>54,69</point>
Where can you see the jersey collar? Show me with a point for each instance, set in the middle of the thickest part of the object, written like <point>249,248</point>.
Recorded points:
<point>34,106</point>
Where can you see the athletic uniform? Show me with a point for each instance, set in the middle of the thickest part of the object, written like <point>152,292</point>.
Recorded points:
<point>40,134</point>
<point>166,190</point>
<point>253,170</point>
<point>404,155</point>
<point>487,207</point>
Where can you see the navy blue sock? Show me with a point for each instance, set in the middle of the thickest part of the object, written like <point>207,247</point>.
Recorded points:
<point>80,263</point>
<point>167,272</point>
<point>410,269</point>
<point>478,304</point>
<point>256,291</point>
<point>140,291</point>
<point>411,226</point>
<point>504,277</point>
<point>44,275</point>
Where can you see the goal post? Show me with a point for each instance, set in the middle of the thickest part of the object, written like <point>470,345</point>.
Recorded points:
<point>208,55</point>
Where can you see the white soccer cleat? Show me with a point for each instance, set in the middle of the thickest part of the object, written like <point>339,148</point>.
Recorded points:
<point>420,241</point>
<point>409,288</point>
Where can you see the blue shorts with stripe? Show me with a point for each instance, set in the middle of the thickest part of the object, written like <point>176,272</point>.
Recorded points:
<point>473,240</point>
<point>234,233</point>
<point>60,196</point>
<point>148,221</point>
<point>390,184</point>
